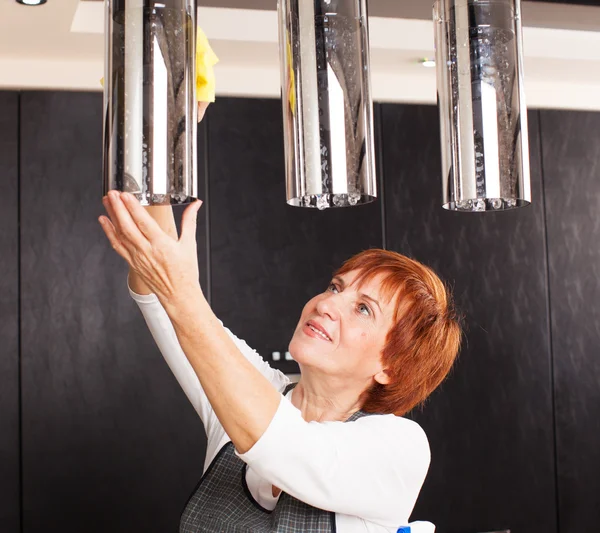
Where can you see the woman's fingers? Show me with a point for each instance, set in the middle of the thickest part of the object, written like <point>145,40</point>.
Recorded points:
<point>142,219</point>
<point>128,232</point>
<point>117,245</point>
<point>189,221</point>
<point>106,202</point>
<point>120,217</point>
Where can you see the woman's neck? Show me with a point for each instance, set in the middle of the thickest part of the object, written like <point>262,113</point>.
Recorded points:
<point>323,402</point>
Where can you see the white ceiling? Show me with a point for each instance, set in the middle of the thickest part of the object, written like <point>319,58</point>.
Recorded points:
<point>60,45</point>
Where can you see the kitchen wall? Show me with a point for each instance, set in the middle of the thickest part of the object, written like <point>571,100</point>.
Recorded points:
<point>9,312</point>
<point>94,430</point>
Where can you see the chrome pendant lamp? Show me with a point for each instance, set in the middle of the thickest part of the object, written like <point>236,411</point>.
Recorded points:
<point>483,117</point>
<point>327,106</point>
<point>150,111</point>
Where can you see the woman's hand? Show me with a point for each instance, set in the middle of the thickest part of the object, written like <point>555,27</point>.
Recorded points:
<point>202,107</point>
<point>168,266</point>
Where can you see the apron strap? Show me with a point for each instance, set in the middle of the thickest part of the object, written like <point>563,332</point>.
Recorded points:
<point>289,388</point>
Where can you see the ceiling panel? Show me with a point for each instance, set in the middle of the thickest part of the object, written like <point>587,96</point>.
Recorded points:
<point>572,2</point>
<point>378,8</point>
<point>58,46</point>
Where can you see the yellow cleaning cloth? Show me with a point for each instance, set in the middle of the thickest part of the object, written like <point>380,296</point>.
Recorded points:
<point>292,82</point>
<point>206,59</point>
<point>205,75</point>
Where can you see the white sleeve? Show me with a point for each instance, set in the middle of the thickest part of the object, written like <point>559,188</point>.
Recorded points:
<point>166,339</point>
<point>372,468</point>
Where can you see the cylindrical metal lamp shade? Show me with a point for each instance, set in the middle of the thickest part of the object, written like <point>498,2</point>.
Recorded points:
<point>327,107</point>
<point>485,150</point>
<point>150,110</point>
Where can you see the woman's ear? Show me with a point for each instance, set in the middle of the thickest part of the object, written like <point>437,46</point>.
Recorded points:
<point>382,377</point>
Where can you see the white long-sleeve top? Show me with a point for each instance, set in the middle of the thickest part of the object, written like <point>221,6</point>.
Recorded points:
<point>368,472</point>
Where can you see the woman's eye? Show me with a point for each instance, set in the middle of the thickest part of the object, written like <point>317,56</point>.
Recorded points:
<point>332,288</point>
<point>364,309</point>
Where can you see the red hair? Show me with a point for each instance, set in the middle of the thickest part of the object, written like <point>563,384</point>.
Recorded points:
<point>424,340</point>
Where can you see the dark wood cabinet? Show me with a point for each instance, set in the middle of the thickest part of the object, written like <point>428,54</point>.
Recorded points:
<point>571,158</point>
<point>10,483</point>
<point>490,424</point>
<point>110,443</point>
<point>103,429</point>
<point>267,258</point>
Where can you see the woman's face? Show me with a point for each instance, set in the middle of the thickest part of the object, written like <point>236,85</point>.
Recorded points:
<point>342,331</point>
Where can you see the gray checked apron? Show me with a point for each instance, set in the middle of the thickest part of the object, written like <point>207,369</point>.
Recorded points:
<point>222,503</point>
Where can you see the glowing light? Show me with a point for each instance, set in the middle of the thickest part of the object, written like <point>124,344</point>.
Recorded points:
<point>31,2</point>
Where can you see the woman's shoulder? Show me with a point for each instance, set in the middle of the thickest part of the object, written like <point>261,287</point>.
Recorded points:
<point>398,431</point>
<point>397,448</point>
<point>391,421</point>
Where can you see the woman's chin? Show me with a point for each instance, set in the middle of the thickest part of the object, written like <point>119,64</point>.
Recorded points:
<point>301,350</point>
<point>296,349</point>
<point>304,353</point>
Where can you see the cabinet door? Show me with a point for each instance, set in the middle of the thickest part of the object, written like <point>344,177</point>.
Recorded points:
<point>9,311</point>
<point>268,258</point>
<point>110,443</point>
<point>490,424</point>
<point>571,156</point>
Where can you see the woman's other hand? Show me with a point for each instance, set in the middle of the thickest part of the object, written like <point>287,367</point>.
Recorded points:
<point>167,266</point>
<point>202,106</point>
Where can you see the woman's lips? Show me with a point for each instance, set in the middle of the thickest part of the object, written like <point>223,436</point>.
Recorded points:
<point>314,330</point>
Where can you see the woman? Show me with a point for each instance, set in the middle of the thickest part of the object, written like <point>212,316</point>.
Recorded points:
<point>377,342</point>
<point>331,454</point>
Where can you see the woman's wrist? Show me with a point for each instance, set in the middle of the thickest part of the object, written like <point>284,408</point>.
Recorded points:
<point>183,310</point>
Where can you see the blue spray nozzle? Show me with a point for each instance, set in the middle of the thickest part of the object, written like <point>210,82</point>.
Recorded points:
<point>405,529</point>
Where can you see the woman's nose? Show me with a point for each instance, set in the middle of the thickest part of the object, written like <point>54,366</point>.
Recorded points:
<point>327,306</point>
